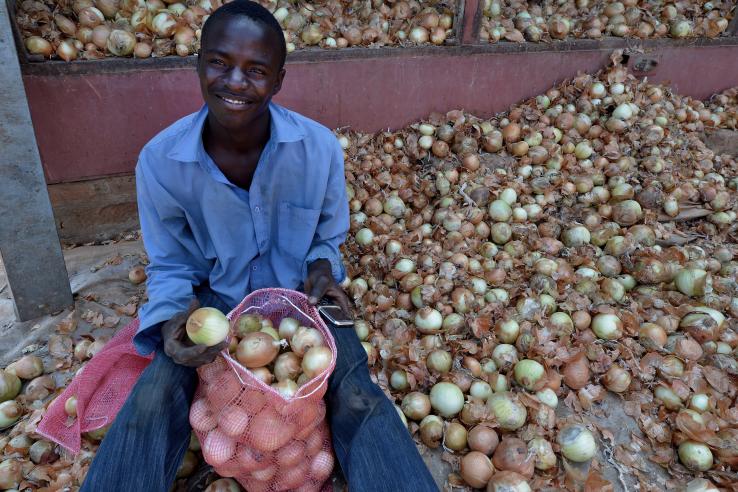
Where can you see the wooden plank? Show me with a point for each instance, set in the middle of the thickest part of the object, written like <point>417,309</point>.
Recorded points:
<point>470,21</point>
<point>29,244</point>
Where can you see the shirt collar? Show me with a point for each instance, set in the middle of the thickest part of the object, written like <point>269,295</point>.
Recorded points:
<point>284,128</point>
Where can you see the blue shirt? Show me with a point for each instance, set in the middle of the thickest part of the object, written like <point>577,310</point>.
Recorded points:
<point>207,237</point>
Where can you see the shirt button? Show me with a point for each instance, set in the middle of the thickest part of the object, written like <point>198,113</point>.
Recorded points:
<point>253,268</point>
<point>257,209</point>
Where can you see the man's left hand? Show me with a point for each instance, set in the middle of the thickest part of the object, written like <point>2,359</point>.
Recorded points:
<point>320,283</point>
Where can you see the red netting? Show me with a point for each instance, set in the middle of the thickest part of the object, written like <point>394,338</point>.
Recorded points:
<point>101,388</point>
<point>248,430</point>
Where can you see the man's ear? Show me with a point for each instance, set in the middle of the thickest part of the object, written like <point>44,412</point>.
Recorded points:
<point>278,84</point>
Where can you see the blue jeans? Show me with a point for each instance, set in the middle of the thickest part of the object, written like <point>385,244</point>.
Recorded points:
<point>150,435</point>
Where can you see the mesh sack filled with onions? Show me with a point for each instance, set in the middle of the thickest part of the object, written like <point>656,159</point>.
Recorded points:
<point>258,410</point>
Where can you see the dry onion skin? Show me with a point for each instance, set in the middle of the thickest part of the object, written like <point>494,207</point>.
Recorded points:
<point>155,28</point>
<point>550,21</point>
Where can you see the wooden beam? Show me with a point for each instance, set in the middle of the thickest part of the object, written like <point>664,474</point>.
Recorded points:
<point>469,22</point>
<point>29,244</point>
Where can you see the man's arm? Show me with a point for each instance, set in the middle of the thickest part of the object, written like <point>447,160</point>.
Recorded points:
<point>323,268</point>
<point>175,265</point>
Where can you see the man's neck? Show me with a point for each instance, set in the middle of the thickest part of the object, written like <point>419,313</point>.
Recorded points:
<point>254,137</point>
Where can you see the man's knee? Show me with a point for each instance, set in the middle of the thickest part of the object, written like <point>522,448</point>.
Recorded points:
<point>359,399</point>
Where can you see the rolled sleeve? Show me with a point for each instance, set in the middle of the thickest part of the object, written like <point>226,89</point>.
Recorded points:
<point>175,267</point>
<point>333,224</point>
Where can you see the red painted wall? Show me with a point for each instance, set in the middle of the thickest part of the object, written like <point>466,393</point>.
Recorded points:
<point>93,124</point>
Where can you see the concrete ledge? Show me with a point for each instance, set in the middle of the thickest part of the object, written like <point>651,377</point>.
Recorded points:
<point>94,210</point>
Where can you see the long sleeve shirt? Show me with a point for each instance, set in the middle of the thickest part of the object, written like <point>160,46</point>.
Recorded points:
<point>204,234</point>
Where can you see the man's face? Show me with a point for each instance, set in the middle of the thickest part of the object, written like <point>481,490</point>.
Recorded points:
<point>239,71</point>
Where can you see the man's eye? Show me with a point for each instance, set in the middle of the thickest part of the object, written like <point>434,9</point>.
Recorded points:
<point>257,71</point>
<point>217,62</point>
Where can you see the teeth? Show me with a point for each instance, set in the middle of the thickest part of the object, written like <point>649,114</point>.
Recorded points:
<point>233,101</point>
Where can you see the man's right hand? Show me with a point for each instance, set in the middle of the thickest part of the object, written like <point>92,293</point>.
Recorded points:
<point>178,345</point>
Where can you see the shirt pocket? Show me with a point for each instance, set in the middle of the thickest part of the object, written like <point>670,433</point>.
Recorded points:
<point>297,227</point>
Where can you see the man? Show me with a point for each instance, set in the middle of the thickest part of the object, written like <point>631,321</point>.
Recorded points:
<point>243,195</point>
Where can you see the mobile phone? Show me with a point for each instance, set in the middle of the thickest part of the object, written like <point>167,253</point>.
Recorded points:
<point>334,314</point>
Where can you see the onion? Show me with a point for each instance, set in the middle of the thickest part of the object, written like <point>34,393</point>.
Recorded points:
<point>304,339</point>
<point>10,386</point>
<point>163,24</point>
<point>233,421</point>
<point>27,367</point>
<point>218,448</point>
<point>257,349</point>
<point>316,360</point>
<point>287,366</point>
<point>616,379</point>
<point>262,374</point>
<point>268,431</point>
<point>37,45</point>
<point>287,388</point>
<point>10,412</point>
<point>507,331</point>
<point>439,361</point>
<point>121,43</point>
<point>700,485</point>
<point>508,411</point>
<point>480,390</point>
<point>529,374</point>
<point>142,50</point>
<point>43,452</point>
<point>416,405</point>
<point>67,50</point>
<point>700,402</point>
<point>667,396</point>
<point>364,237</point>
<point>548,397</point>
<point>90,17</point>
<point>607,326</point>
<point>201,418</point>
<point>476,469</point>
<point>11,474</point>
<point>431,431</point>
<point>505,356</point>
<point>398,380</point>
<point>512,455</point>
<point>188,465</point>
<point>576,372</point>
<point>207,326</point>
<point>577,443</point>
<point>692,281</point>
<point>247,323</point>
<point>446,399</point>
<point>695,455</point>
<point>483,438</point>
<point>455,437</point>
<point>419,35</point>
<point>287,327</point>
<point>70,406</point>
<point>545,459</point>
<point>428,321</point>
<point>137,274</point>
<point>508,481</point>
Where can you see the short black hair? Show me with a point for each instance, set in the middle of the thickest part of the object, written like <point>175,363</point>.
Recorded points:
<point>250,10</point>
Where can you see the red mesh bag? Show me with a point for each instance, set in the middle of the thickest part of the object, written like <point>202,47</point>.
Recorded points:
<point>101,390</point>
<point>247,429</point>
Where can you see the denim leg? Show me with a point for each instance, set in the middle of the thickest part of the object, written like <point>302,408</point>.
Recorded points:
<point>150,434</point>
<point>373,447</point>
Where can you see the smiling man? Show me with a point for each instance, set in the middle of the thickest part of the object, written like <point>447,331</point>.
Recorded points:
<point>242,195</point>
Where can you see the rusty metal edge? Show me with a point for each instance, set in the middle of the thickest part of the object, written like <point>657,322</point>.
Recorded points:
<point>116,65</point>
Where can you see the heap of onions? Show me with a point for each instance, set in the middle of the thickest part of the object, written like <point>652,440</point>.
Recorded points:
<point>157,28</point>
<point>549,21</point>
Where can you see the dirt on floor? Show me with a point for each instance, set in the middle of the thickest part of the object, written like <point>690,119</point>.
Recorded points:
<point>105,300</point>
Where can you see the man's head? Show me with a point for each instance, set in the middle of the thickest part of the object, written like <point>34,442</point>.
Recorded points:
<point>241,63</point>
